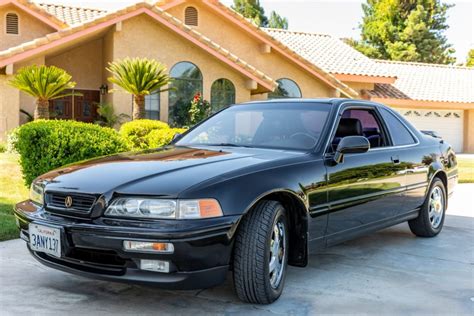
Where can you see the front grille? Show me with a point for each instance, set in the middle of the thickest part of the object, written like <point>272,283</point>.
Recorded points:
<point>81,203</point>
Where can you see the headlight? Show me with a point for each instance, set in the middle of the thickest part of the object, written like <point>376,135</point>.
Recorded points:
<point>36,193</point>
<point>164,209</point>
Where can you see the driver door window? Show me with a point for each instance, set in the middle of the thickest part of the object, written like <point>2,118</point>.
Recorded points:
<point>360,122</point>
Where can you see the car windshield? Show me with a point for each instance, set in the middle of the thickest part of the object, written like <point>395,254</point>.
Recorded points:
<point>294,126</point>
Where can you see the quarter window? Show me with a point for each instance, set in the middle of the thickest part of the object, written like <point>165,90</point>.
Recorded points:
<point>187,81</point>
<point>400,134</point>
<point>222,94</point>
<point>287,88</point>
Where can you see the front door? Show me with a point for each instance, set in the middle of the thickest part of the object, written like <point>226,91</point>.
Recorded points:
<point>366,188</point>
<point>81,107</point>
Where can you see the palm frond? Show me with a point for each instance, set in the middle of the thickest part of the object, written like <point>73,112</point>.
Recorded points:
<point>138,76</point>
<point>43,82</point>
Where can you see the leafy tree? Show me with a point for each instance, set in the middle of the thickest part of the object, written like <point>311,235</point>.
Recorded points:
<point>407,30</point>
<point>43,83</point>
<point>277,22</point>
<point>470,58</point>
<point>251,9</point>
<point>139,77</point>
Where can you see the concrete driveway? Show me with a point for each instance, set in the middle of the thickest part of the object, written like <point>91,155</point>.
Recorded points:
<point>390,272</point>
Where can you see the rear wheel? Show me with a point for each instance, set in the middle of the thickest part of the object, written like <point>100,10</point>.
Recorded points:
<point>431,218</point>
<point>261,254</point>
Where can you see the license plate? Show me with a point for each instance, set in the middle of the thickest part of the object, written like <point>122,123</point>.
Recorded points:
<point>45,239</point>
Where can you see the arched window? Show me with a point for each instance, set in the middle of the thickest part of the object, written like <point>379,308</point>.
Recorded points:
<point>222,94</point>
<point>191,16</point>
<point>187,81</point>
<point>12,24</point>
<point>287,88</point>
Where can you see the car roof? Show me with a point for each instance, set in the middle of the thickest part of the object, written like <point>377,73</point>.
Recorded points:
<point>333,101</point>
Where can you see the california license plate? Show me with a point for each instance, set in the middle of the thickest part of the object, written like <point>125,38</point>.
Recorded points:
<point>45,239</point>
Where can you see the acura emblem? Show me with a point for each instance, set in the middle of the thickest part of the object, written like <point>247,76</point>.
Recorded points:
<point>68,201</point>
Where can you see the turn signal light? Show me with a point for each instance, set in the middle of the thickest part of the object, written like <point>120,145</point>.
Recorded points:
<point>209,208</point>
<point>145,246</point>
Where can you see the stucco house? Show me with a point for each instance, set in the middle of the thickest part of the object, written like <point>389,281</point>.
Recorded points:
<point>209,48</point>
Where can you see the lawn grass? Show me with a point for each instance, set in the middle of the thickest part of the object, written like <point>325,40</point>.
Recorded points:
<point>466,169</point>
<point>12,190</point>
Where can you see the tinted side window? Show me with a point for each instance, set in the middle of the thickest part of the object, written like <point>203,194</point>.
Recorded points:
<point>400,134</point>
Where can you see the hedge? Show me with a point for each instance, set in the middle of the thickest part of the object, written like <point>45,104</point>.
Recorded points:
<point>161,137</point>
<point>147,134</point>
<point>45,145</point>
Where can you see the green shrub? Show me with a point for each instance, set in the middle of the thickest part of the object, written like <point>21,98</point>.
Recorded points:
<point>161,137</point>
<point>135,132</point>
<point>47,145</point>
<point>3,147</point>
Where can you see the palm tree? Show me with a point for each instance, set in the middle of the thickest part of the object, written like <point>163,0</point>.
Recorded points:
<point>43,83</point>
<point>139,77</point>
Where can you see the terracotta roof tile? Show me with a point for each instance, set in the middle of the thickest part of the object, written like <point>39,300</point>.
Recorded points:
<point>71,15</point>
<point>329,53</point>
<point>427,82</point>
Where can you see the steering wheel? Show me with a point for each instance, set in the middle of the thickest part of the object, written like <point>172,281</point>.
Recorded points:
<point>299,134</point>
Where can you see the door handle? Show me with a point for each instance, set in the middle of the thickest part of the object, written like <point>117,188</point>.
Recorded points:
<point>395,160</point>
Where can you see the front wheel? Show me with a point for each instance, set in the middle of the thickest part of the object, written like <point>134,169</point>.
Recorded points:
<point>261,254</point>
<point>431,218</point>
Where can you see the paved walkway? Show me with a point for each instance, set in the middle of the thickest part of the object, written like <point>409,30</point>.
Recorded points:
<point>390,272</point>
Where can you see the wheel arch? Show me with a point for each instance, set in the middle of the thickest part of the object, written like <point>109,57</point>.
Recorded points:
<point>297,213</point>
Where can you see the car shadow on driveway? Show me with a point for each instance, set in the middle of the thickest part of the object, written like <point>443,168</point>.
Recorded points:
<point>389,272</point>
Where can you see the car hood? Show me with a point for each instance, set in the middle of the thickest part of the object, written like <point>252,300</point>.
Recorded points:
<point>163,172</point>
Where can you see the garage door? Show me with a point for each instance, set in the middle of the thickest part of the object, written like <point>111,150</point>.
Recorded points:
<point>448,124</point>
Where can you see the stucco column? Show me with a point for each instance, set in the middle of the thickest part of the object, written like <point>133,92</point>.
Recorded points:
<point>469,131</point>
<point>9,107</point>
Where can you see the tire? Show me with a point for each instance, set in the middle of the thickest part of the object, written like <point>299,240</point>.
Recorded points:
<point>252,254</point>
<point>429,222</point>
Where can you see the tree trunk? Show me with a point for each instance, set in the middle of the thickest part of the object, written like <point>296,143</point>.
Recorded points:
<point>138,107</point>
<point>42,109</point>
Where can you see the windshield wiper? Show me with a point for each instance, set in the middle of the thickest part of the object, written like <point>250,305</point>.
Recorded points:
<point>228,145</point>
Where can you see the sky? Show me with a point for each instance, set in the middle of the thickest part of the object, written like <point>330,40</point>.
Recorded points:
<point>339,18</point>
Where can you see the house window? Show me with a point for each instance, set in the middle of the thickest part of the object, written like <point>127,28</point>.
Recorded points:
<point>287,88</point>
<point>12,24</point>
<point>222,94</point>
<point>191,16</point>
<point>187,81</point>
<point>152,106</point>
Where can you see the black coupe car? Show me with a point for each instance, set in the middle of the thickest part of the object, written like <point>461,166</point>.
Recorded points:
<point>251,189</point>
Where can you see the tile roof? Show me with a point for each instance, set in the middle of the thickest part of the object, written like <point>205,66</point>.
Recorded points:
<point>71,15</point>
<point>427,82</point>
<point>213,46</point>
<point>329,53</point>
<point>342,87</point>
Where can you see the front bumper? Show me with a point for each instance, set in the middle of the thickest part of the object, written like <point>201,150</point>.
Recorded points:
<point>94,248</point>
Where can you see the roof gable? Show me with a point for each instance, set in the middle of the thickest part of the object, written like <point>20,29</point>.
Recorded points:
<point>216,7</point>
<point>37,12</point>
<point>52,40</point>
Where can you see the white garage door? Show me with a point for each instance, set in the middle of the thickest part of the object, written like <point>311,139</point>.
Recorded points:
<point>448,124</point>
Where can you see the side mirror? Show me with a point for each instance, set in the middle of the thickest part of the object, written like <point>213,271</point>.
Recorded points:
<point>176,137</point>
<point>351,145</point>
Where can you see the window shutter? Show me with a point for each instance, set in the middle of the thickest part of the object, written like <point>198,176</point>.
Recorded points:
<point>12,24</point>
<point>191,16</point>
